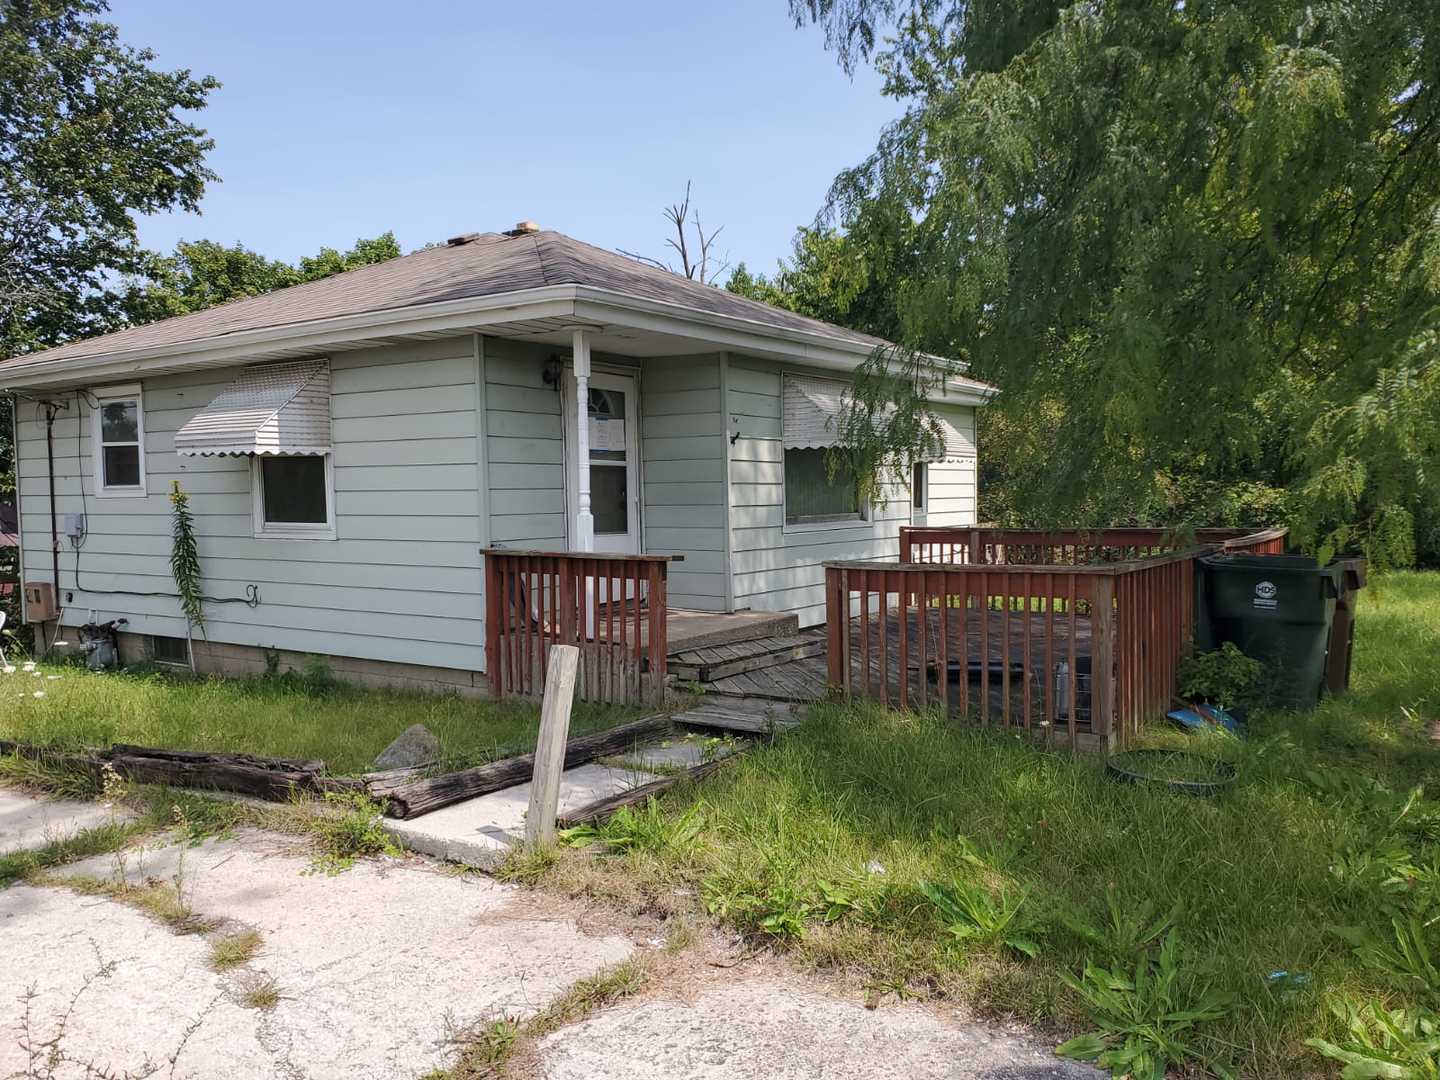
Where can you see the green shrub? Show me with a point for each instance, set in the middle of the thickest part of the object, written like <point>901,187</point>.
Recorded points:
<point>1223,676</point>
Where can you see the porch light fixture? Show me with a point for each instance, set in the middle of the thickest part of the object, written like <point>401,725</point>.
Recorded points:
<point>554,368</point>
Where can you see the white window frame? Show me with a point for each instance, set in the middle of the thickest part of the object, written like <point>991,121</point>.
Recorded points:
<point>117,393</point>
<point>291,530</point>
<point>920,496</point>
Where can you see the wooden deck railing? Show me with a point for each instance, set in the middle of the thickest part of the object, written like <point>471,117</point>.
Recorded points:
<point>1088,649</point>
<point>967,545</point>
<point>612,607</point>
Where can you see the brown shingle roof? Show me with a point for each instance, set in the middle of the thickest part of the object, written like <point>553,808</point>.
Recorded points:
<point>491,264</point>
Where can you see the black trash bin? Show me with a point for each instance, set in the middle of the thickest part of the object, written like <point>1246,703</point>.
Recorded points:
<point>1276,608</point>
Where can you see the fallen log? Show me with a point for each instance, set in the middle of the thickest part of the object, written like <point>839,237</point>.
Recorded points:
<point>408,798</point>
<point>276,779</point>
<point>603,808</point>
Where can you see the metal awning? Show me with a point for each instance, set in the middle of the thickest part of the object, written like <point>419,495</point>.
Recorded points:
<point>279,408</point>
<point>813,407</point>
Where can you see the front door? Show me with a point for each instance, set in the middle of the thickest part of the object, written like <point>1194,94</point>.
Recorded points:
<point>613,411</point>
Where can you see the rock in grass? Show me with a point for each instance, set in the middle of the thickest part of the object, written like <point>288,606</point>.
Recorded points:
<point>416,745</point>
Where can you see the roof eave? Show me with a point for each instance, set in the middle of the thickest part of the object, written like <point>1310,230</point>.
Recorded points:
<point>585,304</point>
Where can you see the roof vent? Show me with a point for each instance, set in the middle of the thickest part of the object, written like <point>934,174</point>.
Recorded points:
<point>463,238</point>
<point>524,228</point>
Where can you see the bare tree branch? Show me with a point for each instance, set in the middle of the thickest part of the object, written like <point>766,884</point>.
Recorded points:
<point>696,262</point>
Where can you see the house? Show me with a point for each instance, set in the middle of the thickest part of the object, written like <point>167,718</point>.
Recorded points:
<point>350,445</point>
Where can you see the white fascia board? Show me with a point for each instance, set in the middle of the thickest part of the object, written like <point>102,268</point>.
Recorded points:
<point>471,313</point>
<point>740,335</point>
<point>585,304</point>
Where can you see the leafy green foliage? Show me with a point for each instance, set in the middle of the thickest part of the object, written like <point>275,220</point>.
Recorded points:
<point>1388,1044</point>
<point>1403,953</point>
<point>977,915</point>
<point>1128,930</point>
<point>92,136</point>
<point>348,826</point>
<point>185,558</point>
<point>1195,245</point>
<point>203,273</point>
<point>1146,1020</point>
<point>643,828</point>
<point>1223,676</point>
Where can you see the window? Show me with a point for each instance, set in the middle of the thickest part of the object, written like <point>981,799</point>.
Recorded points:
<point>812,496</point>
<point>919,489</point>
<point>119,435</point>
<point>294,496</point>
<point>169,650</point>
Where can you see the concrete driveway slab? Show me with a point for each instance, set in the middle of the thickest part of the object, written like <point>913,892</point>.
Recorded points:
<point>768,1031</point>
<point>139,989</point>
<point>30,822</point>
<point>371,964</point>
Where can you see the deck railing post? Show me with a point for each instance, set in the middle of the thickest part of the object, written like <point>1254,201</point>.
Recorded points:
<point>492,624</point>
<point>1102,659</point>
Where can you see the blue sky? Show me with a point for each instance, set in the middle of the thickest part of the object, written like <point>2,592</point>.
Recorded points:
<point>338,120</point>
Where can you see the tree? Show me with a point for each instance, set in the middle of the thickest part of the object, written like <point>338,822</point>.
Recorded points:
<point>829,277</point>
<point>91,134</point>
<point>1168,231</point>
<point>203,273</point>
<point>696,262</point>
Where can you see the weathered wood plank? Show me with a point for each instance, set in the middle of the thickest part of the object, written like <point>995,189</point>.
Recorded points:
<point>603,808</point>
<point>415,797</point>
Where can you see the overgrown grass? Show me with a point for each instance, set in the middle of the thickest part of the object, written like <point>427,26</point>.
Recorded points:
<point>835,843</point>
<point>289,715</point>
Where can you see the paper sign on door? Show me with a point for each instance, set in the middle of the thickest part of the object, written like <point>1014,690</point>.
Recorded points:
<point>607,434</point>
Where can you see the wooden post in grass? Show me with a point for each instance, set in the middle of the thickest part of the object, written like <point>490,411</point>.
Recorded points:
<point>550,747</point>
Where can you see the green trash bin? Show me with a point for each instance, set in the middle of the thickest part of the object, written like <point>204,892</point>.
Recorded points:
<point>1276,608</point>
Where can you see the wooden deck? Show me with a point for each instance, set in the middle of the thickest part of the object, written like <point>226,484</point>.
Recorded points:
<point>747,669</point>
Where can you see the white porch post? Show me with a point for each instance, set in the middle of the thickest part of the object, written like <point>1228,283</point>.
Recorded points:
<point>584,520</point>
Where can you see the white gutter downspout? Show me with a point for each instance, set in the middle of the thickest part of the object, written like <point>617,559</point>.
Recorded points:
<point>584,520</point>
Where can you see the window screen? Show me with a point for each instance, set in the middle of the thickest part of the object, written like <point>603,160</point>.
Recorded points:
<point>810,493</point>
<point>294,490</point>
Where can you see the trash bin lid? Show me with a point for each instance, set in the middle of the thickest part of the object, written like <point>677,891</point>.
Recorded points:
<point>1273,564</point>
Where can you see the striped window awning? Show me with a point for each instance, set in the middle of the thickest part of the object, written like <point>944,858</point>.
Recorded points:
<point>281,408</point>
<point>813,407</point>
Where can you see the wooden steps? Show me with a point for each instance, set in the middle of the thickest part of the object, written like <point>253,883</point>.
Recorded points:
<point>713,663</point>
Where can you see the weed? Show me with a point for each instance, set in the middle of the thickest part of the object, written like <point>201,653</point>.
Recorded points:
<point>976,915</point>
<point>485,1047</point>
<point>1390,1044</point>
<point>774,909</point>
<point>595,992</point>
<point>348,826</point>
<point>1403,956</point>
<point>260,992</point>
<point>235,949</point>
<point>1144,1020</point>
<point>100,840</point>
<point>646,828</point>
<point>51,774</point>
<point>525,865</point>
<point>1126,931</point>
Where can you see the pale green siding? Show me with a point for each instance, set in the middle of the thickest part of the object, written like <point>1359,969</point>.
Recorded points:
<point>682,452</point>
<point>525,448</point>
<point>778,567</point>
<point>402,582</point>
